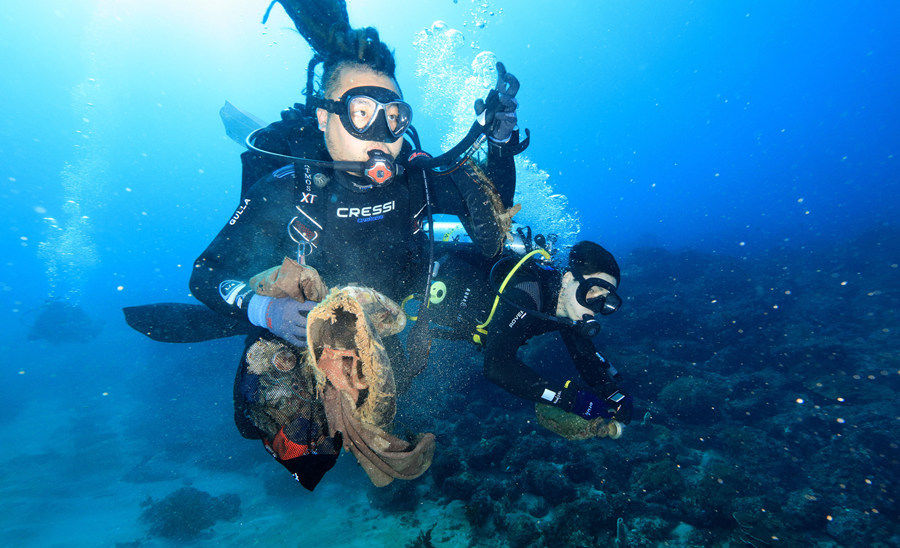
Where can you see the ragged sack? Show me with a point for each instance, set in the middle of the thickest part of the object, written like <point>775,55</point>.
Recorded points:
<point>355,381</point>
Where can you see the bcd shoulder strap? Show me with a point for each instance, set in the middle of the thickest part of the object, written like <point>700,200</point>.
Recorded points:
<point>306,227</point>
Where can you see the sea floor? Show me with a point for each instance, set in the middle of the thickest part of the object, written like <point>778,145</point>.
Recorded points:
<point>88,445</point>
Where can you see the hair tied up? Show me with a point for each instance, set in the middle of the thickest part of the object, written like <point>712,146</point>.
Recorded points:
<point>325,25</point>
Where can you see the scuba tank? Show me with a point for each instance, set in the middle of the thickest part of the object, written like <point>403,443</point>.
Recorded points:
<point>449,233</point>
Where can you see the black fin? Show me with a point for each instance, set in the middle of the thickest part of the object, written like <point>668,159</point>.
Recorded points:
<point>183,323</point>
<point>239,124</point>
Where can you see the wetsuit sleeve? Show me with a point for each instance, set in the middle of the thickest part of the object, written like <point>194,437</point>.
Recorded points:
<point>501,168</point>
<point>506,334</point>
<point>591,365</point>
<point>454,193</point>
<point>446,194</point>
<point>247,245</point>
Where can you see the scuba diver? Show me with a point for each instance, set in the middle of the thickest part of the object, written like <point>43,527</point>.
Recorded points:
<point>351,204</point>
<point>535,298</point>
<point>334,189</point>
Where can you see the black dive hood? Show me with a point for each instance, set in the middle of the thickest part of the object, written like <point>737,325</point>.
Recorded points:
<point>587,326</point>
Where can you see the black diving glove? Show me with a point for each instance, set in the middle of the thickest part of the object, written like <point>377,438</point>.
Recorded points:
<point>283,317</point>
<point>499,109</point>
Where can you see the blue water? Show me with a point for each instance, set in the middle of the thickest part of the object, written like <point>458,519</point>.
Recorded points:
<point>729,129</point>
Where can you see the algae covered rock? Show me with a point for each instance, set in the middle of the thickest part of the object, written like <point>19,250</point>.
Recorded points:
<point>717,490</point>
<point>545,480</point>
<point>488,453</point>
<point>185,514</point>
<point>661,480</point>
<point>398,496</point>
<point>648,531</point>
<point>850,526</point>
<point>460,486</point>
<point>480,509</point>
<point>521,529</point>
<point>588,520</point>
<point>446,463</point>
<point>579,470</point>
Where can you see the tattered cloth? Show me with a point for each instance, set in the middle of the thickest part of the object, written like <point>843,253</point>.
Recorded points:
<point>355,319</point>
<point>382,456</point>
<point>573,427</point>
<point>355,380</point>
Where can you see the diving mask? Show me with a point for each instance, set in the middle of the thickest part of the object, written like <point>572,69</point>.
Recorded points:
<point>370,113</point>
<point>604,302</point>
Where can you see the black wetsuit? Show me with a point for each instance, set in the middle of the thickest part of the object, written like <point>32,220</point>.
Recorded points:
<point>511,327</point>
<point>372,238</point>
<point>366,238</point>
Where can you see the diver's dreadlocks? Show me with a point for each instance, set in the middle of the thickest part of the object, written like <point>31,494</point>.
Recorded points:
<point>325,25</point>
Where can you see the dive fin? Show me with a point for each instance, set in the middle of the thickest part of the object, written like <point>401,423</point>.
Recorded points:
<point>238,124</point>
<point>183,323</point>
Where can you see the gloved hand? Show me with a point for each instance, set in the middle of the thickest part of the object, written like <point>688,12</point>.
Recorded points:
<point>590,406</point>
<point>283,317</point>
<point>499,110</point>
